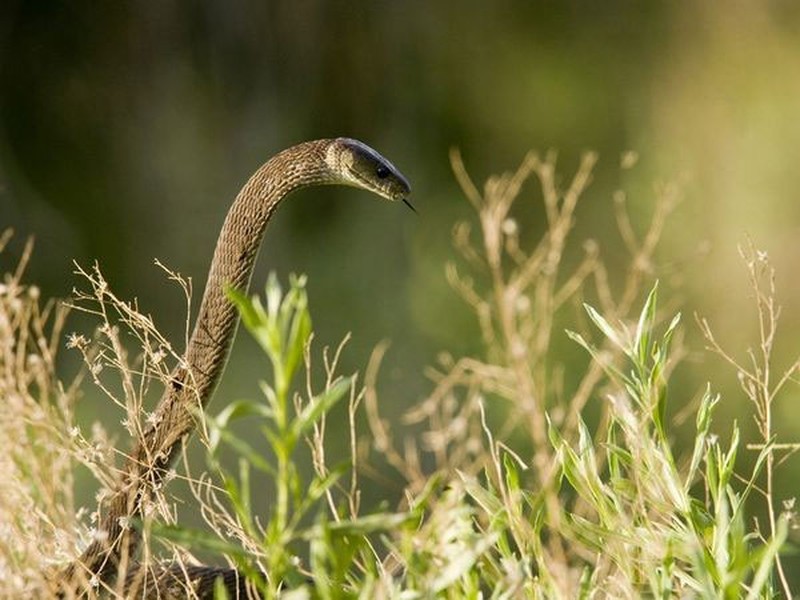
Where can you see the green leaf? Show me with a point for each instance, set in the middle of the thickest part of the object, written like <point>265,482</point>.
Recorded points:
<point>667,338</point>
<point>247,307</point>
<point>234,411</point>
<point>255,320</point>
<point>596,355</point>
<point>220,591</point>
<point>273,293</point>
<point>197,539</point>
<point>703,421</point>
<point>320,405</point>
<point>248,452</point>
<point>460,565</point>
<point>319,486</point>
<point>297,339</point>
<point>612,334</point>
<point>486,499</point>
<point>768,555</point>
<point>647,319</point>
<point>361,526</point>
<point>512,475</point>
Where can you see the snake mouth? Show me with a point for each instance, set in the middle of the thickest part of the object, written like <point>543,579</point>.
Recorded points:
<point>370,185</point>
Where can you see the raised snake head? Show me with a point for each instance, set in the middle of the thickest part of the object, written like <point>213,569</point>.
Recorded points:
<point>361,166</point>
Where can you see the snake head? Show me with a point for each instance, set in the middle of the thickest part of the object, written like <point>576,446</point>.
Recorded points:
<point>360,166</point>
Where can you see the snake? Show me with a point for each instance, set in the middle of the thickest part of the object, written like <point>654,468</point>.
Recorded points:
<point>336,161</point>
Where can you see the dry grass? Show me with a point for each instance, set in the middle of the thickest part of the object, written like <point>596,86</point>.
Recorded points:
<point>40,444</point>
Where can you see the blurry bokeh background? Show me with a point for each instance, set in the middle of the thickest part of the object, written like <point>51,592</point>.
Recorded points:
<point>127,128</point>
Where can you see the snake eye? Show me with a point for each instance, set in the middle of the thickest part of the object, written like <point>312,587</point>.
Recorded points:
<point>382,172</point>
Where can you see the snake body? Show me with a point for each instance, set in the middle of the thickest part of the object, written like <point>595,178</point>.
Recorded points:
<point>339,161</point>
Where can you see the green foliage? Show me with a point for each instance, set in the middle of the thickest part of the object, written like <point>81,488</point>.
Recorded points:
<point>698,545</point>
<point>282,329</point>
<point>654,528</point>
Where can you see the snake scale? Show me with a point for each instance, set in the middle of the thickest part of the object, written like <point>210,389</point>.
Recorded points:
<point>339,161</point>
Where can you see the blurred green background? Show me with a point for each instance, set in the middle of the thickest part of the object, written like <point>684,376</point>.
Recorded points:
<point>127,128</point>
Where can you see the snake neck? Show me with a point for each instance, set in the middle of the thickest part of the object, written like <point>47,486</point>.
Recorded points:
<point>236,252</point>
